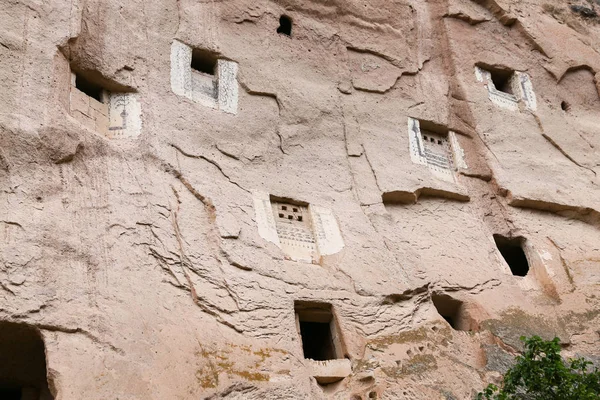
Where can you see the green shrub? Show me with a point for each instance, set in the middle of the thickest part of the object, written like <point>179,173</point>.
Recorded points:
<point>540,373</point>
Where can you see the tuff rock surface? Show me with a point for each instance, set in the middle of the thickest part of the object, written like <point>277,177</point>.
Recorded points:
<point>139,260</point>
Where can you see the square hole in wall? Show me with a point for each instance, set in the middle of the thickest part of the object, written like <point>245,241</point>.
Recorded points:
<point>513,253</point>
<point>502,80</point>
<point>88,87</point>
<point>204,61</point>
<point>318,331</point>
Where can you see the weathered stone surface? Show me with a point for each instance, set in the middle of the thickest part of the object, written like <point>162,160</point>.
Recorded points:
<point>145,259</point>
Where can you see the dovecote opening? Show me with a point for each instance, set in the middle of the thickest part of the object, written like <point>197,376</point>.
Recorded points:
<point>89,88</point>
<point>22,363</point>
<point>295,230</point>
<point>204,61</point>
<point>318,331</point>
<point>565,106</point>
<point>513,253</point>
<point>285,25</point>
<point>436,147</point>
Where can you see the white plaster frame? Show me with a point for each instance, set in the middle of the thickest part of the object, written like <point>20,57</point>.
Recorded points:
<point>183,80</point>
<point>417,150</point>
<point>521,85</point>
<point>324,225</point>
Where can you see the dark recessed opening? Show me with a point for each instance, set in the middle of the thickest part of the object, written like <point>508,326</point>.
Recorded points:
<point>316,340</point>
<point>512,251</point>
<point>22,363</point>
<point>452,311</point>
<point>285,25</point>
<point>204,61</point>
<point>10,394</point>
<point>318,331</point>
<point>502,80</point>
<point>565,106</point>
<point>88,87</point>
<point>299,217</point>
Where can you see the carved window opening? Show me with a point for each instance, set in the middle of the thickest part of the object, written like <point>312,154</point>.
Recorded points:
<point>203,77</point>
<point>114,113</point>
<point>453,311</point>
<point>204,61</point>
<point>91,89</point>
<point>513,253</point>
<point>285,25</point>
<point>318,331</point>
<point>22,363</point>
<point>507,88</point>
<point>503,80</point>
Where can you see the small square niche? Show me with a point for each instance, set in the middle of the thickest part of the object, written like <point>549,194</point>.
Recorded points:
<point>513,253</point>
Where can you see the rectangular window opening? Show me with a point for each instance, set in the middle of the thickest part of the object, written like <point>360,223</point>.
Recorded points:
<point>318,332</point>
<point>204,61</point>
<point>502,80</point>
<point>513,253</point>
<point>88,87</point>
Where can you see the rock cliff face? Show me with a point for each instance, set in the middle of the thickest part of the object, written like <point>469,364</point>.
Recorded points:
<point>294,199</point>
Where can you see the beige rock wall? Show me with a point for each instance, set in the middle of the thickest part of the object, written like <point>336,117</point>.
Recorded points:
<point>141,258</point>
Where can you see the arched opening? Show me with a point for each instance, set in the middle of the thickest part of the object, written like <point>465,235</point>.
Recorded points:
<point>22,363</point>
<point>285,25</point>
